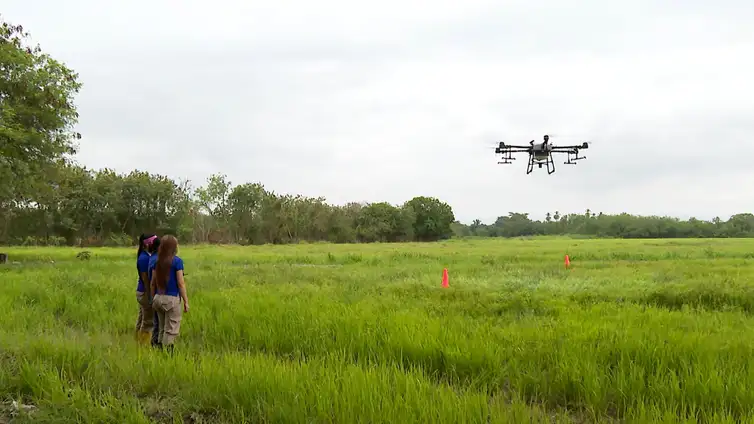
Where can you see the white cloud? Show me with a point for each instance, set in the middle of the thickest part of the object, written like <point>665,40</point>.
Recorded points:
<point>388,100</point>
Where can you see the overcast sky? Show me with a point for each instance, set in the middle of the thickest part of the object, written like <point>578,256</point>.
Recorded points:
<point>383,101</point>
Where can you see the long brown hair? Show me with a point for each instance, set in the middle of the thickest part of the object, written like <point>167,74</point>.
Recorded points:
<point>165,253</point>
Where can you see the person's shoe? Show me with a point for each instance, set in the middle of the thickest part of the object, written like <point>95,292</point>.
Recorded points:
<point>169,349</point>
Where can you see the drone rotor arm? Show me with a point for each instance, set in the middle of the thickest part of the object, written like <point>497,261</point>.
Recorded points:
<point>508,146</point>
<point>554,148</point>
<point>578,146</point>
<point>569,151</point>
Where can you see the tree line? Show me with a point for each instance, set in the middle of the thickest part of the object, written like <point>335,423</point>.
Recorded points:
<point>624,225</point>
<point>77,206</point>
<point>47,199</point>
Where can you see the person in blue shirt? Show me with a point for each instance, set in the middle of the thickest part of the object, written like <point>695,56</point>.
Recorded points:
<point>145,319</point>
<point>168,289</point>
<point>152,261</point>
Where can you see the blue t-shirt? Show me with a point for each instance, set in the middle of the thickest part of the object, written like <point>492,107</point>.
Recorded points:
<point>151,266</point>
<point>142,265</point>
<point>171,288</point>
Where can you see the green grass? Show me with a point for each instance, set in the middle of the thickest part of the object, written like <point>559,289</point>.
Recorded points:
<point>635,331</point>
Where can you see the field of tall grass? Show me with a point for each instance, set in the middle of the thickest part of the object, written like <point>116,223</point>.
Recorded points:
<point>634,331</point>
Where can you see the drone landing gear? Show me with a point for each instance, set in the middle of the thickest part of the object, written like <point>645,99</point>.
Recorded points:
<point>572,159</point>
<point>549,162</point>
<point>507,158</point>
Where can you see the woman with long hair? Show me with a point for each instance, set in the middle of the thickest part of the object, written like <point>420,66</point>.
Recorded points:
<point>145,319</point>
<point>152,261</point>
<point>168,289</point>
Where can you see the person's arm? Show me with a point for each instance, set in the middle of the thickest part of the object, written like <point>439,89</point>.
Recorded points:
<point>182,289</point>
<point>153,285</point>
<point>145,279</point>
<point>142,264</point>
<point>181,283</point>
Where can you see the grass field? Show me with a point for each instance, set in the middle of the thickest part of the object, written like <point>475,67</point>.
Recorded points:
<point>635,331</point>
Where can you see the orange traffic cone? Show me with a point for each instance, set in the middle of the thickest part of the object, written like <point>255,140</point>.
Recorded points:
<point>567,261</point>
<point>445,278</point>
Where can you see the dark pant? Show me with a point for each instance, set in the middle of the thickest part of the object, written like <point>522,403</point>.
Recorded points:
<point>155,329</point>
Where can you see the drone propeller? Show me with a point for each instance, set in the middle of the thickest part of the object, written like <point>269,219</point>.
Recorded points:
<point>496,144</point>
<point>487,139</point>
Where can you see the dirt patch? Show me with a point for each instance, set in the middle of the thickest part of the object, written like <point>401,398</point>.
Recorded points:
<point>12,409</point>
<point>162,411</point>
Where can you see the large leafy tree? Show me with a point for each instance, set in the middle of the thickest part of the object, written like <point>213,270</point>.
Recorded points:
<point>433,218</point>
<point>37,113</point>
<point>384,222</point>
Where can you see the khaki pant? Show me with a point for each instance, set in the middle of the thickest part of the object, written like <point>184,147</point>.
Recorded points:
<point>169,314</point>
<point>145,321</point>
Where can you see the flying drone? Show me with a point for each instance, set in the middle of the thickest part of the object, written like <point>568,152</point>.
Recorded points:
<point>541,154</point>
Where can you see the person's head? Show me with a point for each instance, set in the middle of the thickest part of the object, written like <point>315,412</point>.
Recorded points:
<point>165,254</point>
<point>154,246</point>
<point>145,240</point>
